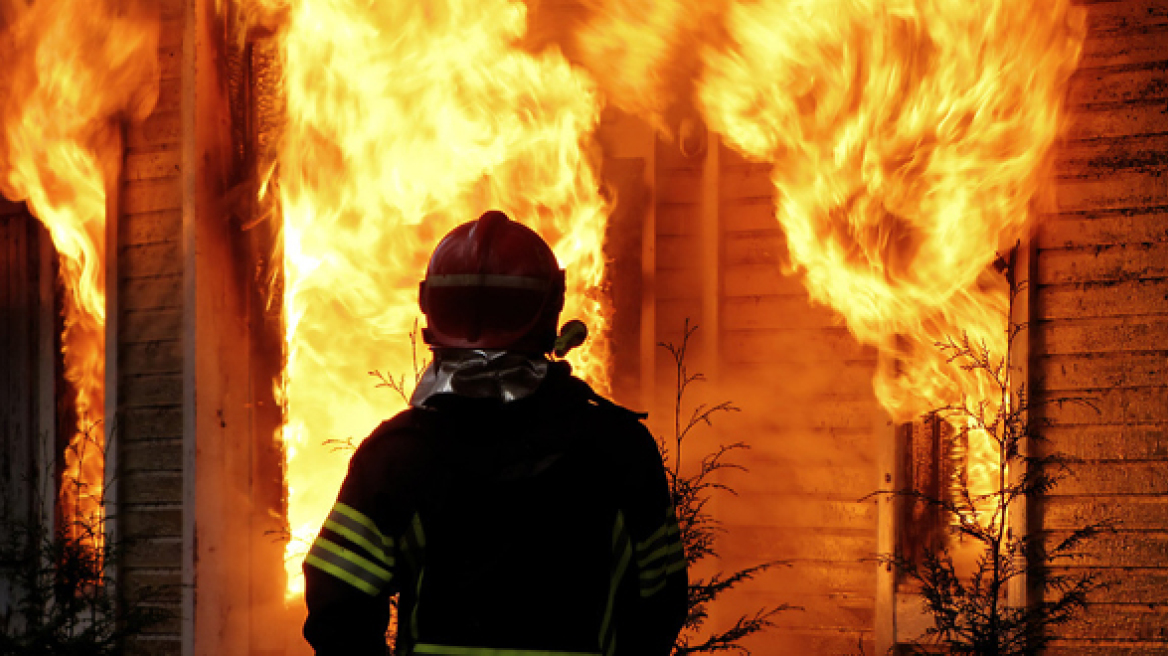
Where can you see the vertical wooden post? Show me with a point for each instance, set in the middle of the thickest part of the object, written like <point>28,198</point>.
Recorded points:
<point>711,245</point>
<point>888,458</point>
<point>648,349</point>
<point>1021,313</point>
<point>113,175</point>
<point>190,164</point>
<point>47,354</point>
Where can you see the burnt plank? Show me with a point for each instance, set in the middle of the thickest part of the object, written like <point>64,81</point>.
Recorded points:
<point>157,293</point>
<point>1131,585</point>
<point>1133,226</point>
<point>152,455</point>
<point>1115,85</point>
<point>1114,478</point>
<point>149,260</point>
<point>1138,45</point>
<point>772,478</point>
<point>1059,373</point>
<point>151,389</point>
<point>1101,648</point>
<point>1122,548</point>
<point>1103,335</point>
<point>746,181</point>
<point>805,346</point>
<point>1069,513</point>
<point>759,280</point>
<point>768,311</point>
<point>680,185</point>
<point>150,521</point>
<point>1116,120</point>
<point>679,283</point>
<point>1110,263</point>
<point>1131,622</point>
<point>161,128</point>
<point>163,487</point>
<point>763,543</point>
<point>152,195</point>
<point>150,325</point>
<point>152,357</point>
<point>1110,299</point>
<point>1125,16</point>
<point>151,228</point>
<point>749,214</point>
<point>809,511</point>
<point>676,218</point>
<point>152,163</point>
<point>1115,190</point>
<point>1095,407</point>
<point>169,96</point>
<point>1109,442</point>
<point>678,251</point>
<point>754,247</point>
<point>162,422</point>
<point>1100,157</point>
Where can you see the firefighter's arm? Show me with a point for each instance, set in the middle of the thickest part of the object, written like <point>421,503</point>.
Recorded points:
<point>348,574</point>
<point>658,559</point>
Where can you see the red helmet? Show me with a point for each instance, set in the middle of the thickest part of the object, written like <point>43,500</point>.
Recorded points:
<point>492,284</point>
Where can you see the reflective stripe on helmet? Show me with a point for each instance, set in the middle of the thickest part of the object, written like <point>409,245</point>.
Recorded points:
<point>488,280</point>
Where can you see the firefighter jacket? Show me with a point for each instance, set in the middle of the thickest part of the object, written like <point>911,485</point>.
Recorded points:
<point>539,527</point>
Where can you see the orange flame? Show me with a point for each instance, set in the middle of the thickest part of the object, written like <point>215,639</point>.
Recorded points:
<point>405,119</point>
<point>70,72</point>
<point>908,139</point>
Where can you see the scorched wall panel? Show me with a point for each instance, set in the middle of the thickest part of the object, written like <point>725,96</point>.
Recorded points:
<point>809,412</point>
<point>1101,328</point>
<point>148,428</point>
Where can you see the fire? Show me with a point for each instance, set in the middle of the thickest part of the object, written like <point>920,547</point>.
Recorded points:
<point>70,72</point>
<point>908,139</point>
<point>403,120</point>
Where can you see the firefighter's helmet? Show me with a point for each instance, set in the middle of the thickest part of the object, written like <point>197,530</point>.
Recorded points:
<point>492,283</point>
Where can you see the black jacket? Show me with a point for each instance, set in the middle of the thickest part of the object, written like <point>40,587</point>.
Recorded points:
<point>544,524</point>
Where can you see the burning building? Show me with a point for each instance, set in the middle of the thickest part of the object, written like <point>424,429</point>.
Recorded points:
<point>216,215</point>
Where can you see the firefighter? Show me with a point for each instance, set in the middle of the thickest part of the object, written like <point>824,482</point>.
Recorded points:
<point>513,510</point>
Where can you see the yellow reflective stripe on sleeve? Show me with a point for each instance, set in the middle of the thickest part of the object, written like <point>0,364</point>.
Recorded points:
<point>622,551</point>
<point>348,566</point>
<point>446,650</point>
<point>375,534</point>
<point>340,573</point>
<point>662,553</point>
<point>360,540</point>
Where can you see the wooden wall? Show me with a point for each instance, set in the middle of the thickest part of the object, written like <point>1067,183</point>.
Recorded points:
<point>26,479</point>
<point>1101,329</point>
<point>807,411</point>
<point>148,428</point>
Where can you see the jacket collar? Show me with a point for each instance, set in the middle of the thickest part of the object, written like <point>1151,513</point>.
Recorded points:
<point>480,374</point>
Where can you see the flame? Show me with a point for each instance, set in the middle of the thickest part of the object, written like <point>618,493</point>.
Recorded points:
<point>908,139</point>
<point>70,72</point>
<point>403,120</point>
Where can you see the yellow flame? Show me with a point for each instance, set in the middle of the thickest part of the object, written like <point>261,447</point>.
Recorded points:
<point>405,119</point>
<point>70,72</point>
<point>908,139</point>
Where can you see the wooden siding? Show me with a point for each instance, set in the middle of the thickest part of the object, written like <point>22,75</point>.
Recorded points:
<point>1101,328</point>
<point>808,414</point>
<point>148,427</point>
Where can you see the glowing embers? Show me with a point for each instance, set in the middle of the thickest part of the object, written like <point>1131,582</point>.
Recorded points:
<point>70,72</point>
<point>404,119</point>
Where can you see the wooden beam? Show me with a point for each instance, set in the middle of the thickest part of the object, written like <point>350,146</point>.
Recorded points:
<point>888,458</point>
